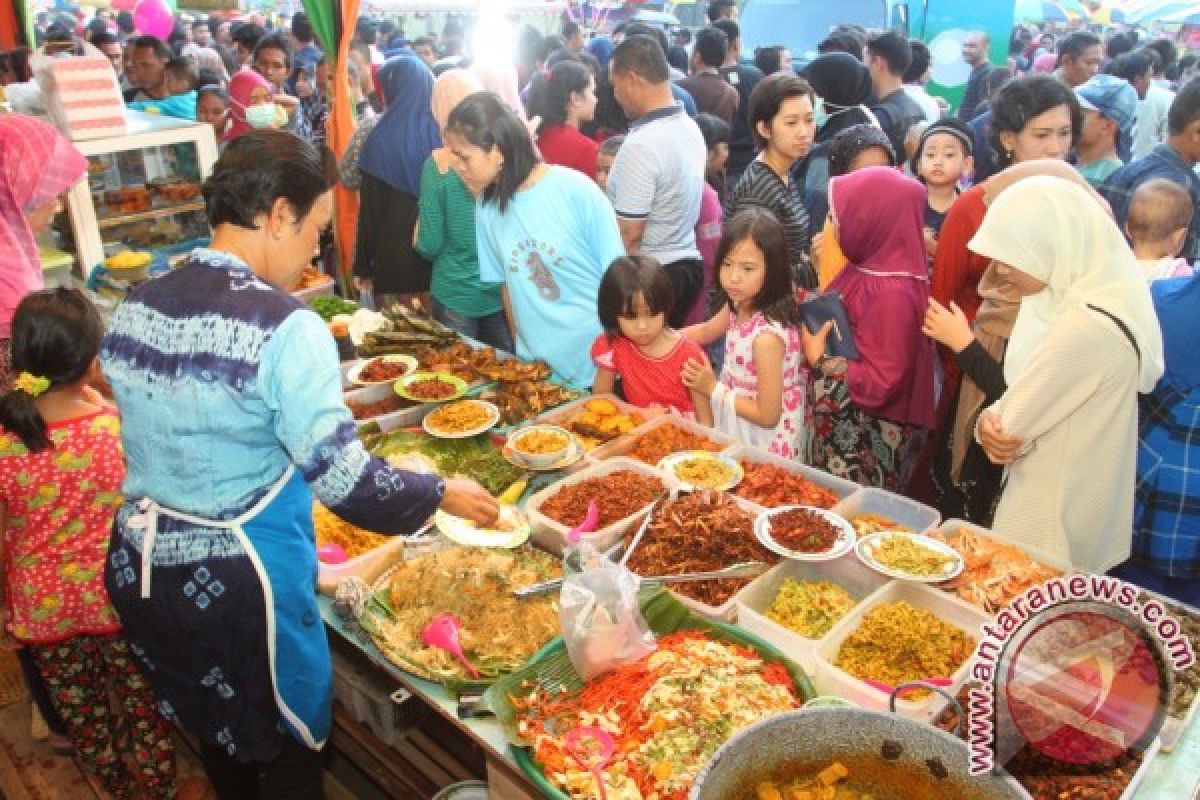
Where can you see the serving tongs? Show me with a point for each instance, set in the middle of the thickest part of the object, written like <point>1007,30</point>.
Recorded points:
<point>748,569</point>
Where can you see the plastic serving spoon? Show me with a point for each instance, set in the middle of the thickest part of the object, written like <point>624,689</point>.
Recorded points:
<point>593,748</point>
<point>590,520</point>
<point>442,632</point>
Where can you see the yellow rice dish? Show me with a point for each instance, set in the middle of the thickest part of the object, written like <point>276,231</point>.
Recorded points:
<point>898,642</point>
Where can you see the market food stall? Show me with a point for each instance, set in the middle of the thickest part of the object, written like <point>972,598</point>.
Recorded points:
<point>812,589</point>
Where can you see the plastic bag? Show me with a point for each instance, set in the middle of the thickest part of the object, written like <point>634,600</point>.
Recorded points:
<point>602,624</point>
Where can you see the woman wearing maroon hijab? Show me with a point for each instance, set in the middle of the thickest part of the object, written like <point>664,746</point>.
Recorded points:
<point>871,414</point>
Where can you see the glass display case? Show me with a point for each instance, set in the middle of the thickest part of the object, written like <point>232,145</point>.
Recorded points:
<point>141,194</point>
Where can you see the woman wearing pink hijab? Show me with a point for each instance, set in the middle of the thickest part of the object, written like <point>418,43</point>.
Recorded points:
<point>250,105</point>
<point>37,164</point>
<point>871,415</point>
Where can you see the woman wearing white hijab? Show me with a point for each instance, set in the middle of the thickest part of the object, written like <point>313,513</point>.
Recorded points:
<point>1086,340</point>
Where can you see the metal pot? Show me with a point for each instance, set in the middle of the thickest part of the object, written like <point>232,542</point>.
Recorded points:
<point>812,739</point>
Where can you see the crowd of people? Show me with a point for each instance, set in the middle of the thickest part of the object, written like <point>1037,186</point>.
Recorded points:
<point>987,308</point>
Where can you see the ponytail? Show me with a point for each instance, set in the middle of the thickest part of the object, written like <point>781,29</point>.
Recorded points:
<point>19,415</point>
<point>551,90</point>
<point>55,339</point>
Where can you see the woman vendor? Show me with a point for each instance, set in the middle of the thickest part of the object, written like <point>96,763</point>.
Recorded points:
<point>233,420</point>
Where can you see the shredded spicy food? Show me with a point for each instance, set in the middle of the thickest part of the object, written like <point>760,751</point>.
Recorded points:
<point>697,533</point>
<point>377,409</point>
<point>431,389</point>
<point>804,531</point>
<point>667,712</point>
<point>617,495</point>
<point>653,446</point>
<point>771,487</point>
<point>383,370</point>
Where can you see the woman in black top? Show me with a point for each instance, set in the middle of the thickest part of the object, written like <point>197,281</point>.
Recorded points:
<point>781,119</point>
<point>393,156</point>
<point>843,83</point>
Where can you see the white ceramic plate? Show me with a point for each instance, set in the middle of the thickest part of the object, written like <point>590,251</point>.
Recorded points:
<point>845,541</point>
<point>433,430</point>
<point>669,464</point>
<point>866,553</point>
<point>410,366</point>
<point>464,532</point>
<point>573,456</point>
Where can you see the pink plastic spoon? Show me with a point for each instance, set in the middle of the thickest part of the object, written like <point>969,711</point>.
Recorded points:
<point>593,748</point>
<point>590,520</point>
<point>442,632</point>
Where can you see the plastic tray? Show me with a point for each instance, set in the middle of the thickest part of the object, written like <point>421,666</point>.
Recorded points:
<point>727,611</point>
<point>839,486</point>
<point>389,715</point>
<point>551,535</point>
<point>405,417</point>
<point>910,514</point>
<point>565,413</point>
<point>1037,554</point>
<point>1148,757</point>
<point>754,600</point>
<point>1173,728</point>
<point>624,445</point>
<point>315,291</point>
<point>831,680</point>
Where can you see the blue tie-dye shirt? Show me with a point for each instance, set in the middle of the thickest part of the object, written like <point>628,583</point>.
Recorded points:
<point>222,382</point>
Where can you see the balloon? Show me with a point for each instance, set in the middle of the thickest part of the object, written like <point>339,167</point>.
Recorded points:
<point>153,18</point>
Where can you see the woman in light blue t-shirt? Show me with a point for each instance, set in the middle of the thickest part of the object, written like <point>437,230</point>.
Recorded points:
<point>546,233</point>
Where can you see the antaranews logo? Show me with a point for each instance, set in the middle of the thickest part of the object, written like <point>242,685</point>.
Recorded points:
<point>1077,668</point>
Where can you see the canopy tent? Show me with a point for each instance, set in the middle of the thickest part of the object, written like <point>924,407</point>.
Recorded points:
<point>1143,13</point>
<point>1040,11</point>
<point>1186,16</point>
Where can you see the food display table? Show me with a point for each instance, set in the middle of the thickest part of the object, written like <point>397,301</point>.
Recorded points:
<point>1174,776</point>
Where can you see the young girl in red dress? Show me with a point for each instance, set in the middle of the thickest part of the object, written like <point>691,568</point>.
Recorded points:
<point>637,346</point>
<point>61,469</point>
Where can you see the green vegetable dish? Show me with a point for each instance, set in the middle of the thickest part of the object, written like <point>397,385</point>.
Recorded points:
<point>810,608</point>
<point>477,457</point>
<point>330,305</point>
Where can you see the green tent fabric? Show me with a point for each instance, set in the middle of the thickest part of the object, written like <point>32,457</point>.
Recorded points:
<point>324,17</point>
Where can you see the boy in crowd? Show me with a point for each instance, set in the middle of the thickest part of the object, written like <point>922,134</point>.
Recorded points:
<point>1160,215</point>
<point>943,157</point>
<point>605,157</point>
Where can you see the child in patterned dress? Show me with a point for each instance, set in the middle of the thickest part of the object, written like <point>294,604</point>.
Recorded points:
<point>61,469</point>
<point>760,397</point>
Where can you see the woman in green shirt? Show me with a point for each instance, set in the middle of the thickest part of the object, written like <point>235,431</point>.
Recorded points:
<point>446,234</point>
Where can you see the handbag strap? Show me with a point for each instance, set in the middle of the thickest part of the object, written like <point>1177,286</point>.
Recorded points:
<point>1124,329</point>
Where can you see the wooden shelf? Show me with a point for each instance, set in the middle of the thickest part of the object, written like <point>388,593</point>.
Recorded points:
<point>154,213</point>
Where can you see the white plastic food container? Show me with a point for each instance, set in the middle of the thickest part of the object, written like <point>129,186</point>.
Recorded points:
<point>910,514</point>
<point>371,564</point>
<point>552,536</point>
<point>754,600</point>
<point>832,680</point>
<point>565,414</point>
<point>405,417</point>
<point>727,611</point>
<point>839,486</point>
<point>624,446</point>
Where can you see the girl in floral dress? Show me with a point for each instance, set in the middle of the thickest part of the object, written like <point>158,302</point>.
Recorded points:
<point>760,397</point>
<point>871,415</point>
<point>61,470</point>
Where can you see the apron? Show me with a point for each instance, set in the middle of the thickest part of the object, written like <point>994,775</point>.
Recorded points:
<point>222,616</point>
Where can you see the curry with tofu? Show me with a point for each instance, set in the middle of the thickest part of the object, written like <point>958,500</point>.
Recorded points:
<point>856,779</point>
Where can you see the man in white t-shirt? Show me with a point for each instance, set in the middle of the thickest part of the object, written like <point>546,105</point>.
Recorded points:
<point>657,179</point>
